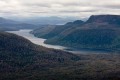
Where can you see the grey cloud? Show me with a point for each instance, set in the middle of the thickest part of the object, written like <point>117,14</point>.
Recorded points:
<point>36,12</point>
<point>112,6</point>
<point>77,11</point>
<point>59,7</point>
<point>36,5</point>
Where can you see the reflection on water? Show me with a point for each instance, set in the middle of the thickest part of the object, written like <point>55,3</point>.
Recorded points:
<point>40,41</point>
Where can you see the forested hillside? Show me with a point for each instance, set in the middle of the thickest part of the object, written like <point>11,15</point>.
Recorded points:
<point>52,31</point>
<point>22,60</point>
<point>98,32</point>
<point>18,55</point>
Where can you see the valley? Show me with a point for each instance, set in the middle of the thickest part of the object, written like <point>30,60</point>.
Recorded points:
<point>99,32</point>
<point>76,51</point>
<point>40,41</point>
<point>59,39</point>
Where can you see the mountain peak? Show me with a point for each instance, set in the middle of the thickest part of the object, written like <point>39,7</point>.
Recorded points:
<point>77,22</point>
<point>111,19</point>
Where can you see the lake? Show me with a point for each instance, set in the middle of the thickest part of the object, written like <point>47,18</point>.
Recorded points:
<point>40,41</point>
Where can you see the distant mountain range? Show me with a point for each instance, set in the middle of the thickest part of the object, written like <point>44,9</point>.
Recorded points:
<point>47,20</point>
<point>7,21</point>
<point>7,24</point>
<point>98,32</point>
<point>31,23</point>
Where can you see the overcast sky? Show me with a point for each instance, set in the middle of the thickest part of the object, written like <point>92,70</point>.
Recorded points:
<point>65,8</point>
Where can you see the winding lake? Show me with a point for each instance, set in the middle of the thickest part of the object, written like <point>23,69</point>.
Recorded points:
<point>40,41</point>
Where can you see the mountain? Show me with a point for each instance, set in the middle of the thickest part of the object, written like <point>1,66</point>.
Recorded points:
<point>53,20</point>
<point>55,29</point>
<point>43,30</point>
<point>7,21</point>
<point>22,60</point>
<point>100,32</point>
<point>7,24</point>
<point>110,19</point>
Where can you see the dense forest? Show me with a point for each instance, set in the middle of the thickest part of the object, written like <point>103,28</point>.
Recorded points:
<point>22,60</point>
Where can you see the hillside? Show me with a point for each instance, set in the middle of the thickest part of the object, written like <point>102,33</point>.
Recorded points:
<point>52,31</point>
<point>22,60</point>
<point>98,32</point>
<point>19,56</point>
<point>43,31</point>
<point>16,44</point>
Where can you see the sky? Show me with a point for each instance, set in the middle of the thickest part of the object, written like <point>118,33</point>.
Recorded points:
<point>60,8</point>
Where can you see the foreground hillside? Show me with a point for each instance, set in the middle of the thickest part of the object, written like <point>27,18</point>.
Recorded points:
<point>22,60</point>
<point>18,55</point>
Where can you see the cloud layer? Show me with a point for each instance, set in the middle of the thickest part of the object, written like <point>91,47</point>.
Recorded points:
<point>74,8</point>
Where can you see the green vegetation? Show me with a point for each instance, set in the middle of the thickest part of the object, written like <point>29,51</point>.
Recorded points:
<point>42,31</point>
<point>22,60</point>
<point>105,39</point>
<point>100,32</point>
<point>52,31</point>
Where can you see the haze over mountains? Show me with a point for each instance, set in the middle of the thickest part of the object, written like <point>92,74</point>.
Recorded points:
<point>53,20</point>
<point>7,24</point>
<point>31,23</point>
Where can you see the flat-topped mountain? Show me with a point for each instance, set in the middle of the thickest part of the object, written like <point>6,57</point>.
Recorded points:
<point>110,19</point>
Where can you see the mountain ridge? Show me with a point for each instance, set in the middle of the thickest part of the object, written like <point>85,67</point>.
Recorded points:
<point>91,34</point>
<point>8,25</point>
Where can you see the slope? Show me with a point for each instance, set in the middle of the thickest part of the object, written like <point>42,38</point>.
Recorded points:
<point>22,60</point>
<point>99,32</point>
<point>53,31</point>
